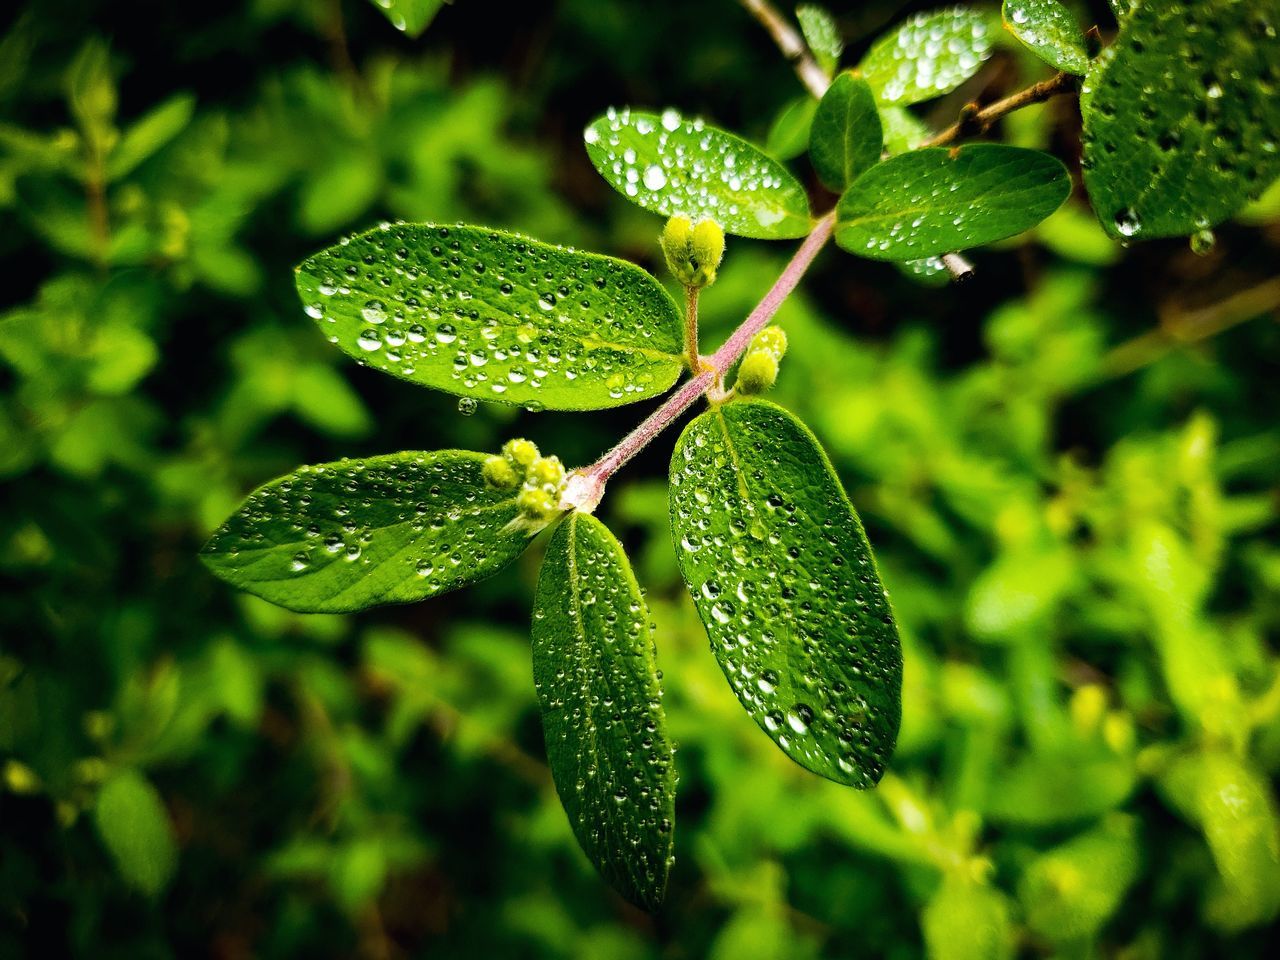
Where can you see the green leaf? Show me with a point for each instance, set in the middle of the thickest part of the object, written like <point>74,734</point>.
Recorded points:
<point>597,682</point>
<point>1069,892</point>
<point>929,55</point>
<point>1181,117</point>
<point>496,316</point>
<point>134,826</point>
<point>789,135</point>
<point>344,536</point>
<point>967,920</point>
<point>822,34</point>
<point>409,16</point>
<point>784,580</point>
<point>156,128</point>
<point>1120,8</point>
<point>903,130</point>
<point>1049,30</point>
<point>846,138</point>
<point>669,165</point>
<point>930,272</point>
<point>936,200</point>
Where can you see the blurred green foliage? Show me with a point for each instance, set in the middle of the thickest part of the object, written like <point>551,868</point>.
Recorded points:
<point>1069,467</point>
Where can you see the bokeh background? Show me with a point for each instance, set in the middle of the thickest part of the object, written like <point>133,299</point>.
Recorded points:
<point>1069,467</point>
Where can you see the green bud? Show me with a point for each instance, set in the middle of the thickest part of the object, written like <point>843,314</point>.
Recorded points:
<point>546,471</point>
<point>536,504</point>
<point>693,252</point>
<point>757,372</point>
<point>500,474</point>
<point>521,453</point>
<point>772,340</point>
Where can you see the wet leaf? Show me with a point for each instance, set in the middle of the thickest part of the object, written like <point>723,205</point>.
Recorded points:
<point>936,200</point>
<point>668,164</point>
<point>822,34</point>
<point>597,682</point>
<point>496,316</point>
<point>411,17</point>
<point>929,55</point>
<point>846,137</point>
<point>1049,30</point>
<point>785,583</point>
<point>1182,116</point>
<point>789,135</point>
<point>344,536</point>
<point>134,825</point>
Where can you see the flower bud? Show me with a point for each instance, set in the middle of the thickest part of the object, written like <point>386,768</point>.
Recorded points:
<point>521,453</point>
<point>500,474</point>
<point>692,252</point>
<point>757,372</point>
<point>546,471</point>
<point>535,503</point>
<point>771,340</point>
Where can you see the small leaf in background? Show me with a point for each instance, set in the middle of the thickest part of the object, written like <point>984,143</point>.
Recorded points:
<point>344,536</point>
<point>789,135</point>
<point>597,682</point>
<point>496,316</point>
<point>784,581</point>
<point>937,200</point>
<point>967,920</point>
<point>1120,8</point>
<point>846,138</point>
<point>1181,117</point>
<point>134,825</point>
<point>1070,891</point>
<point>929,55</point>
<point>1049,30</point>
<point>151,132</point>
<point>903,130</point>
<point>410,17</point>
<point>1233,804</point>
<point>822,34</point>
<point>668,164</point>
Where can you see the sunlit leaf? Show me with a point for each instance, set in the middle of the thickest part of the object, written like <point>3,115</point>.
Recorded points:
<point>929,55</point>
<point>783,578</point>
<point>846,137</point>
<point>668,164</point>
<point>409,16</point>
<point>967,920</point>
<point>496,316</point>
<point>344,536</point>
<point>597,682</point>
<point>1050,30</point>
<point>1181,116</point>
<point>932,201</point>
<point>134,825</point>
<point>822,34</point>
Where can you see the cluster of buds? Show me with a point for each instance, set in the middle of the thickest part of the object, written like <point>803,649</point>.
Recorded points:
<point>540,479</point>
<point>759,368</point>
<point>693,251</point>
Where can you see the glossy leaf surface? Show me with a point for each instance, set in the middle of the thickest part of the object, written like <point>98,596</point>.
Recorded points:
<point>785,583</point>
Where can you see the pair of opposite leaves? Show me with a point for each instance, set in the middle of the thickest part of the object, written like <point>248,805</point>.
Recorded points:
<point>772,551</point>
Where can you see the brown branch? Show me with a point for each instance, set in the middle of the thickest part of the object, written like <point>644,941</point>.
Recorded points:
<point>975,121</point>
<point>792,46</point>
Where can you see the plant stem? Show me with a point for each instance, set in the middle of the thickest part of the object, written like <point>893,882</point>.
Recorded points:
<point>978,121</point>
<point>792,46</point>
<point>586,486</point>
<point>691,328</point>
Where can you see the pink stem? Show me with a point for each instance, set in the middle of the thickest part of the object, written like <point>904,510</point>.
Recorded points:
<point>586,486</point>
